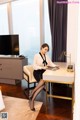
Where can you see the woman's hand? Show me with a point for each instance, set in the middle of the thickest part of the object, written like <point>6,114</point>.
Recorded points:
<point>45,67</point>
<point>57,66</point>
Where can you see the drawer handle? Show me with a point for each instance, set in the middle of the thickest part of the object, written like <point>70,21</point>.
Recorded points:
<point>0,68</point>
<point>0,64</point>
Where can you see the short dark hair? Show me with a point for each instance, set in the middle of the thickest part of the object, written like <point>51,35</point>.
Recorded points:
<point>45,45</point>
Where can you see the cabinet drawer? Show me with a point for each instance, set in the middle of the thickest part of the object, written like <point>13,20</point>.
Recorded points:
<point>11,69</point>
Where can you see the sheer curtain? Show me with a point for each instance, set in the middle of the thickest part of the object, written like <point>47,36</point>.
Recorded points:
<point>47,33</point>
<point>26,23</point>
<point>3,19</point>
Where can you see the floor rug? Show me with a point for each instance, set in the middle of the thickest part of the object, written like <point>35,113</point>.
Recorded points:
<point>18,109</point>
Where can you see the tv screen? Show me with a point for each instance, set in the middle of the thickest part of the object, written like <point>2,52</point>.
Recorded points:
<point>9,44</point>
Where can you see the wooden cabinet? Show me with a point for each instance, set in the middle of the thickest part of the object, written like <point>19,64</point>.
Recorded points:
<point>12,67</point>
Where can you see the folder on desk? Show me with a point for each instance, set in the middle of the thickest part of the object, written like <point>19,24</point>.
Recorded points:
<point>52,68</point>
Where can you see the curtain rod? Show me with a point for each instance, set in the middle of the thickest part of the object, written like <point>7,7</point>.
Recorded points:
<point>8,1</point>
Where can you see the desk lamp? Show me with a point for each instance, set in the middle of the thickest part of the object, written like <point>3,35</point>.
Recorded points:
<point>70,66</point>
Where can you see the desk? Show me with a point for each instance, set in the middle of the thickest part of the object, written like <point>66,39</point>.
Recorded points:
<point>59,76</point>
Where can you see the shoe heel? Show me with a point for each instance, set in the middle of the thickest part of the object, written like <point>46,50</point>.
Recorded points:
<point>33,109</point>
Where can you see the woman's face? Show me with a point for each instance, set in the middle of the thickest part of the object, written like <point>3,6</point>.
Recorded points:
<point>44,50</point>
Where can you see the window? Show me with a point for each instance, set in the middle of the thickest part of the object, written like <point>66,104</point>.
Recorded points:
<point>25,16</point>
<point>3,19</point>
<point>26,23</point>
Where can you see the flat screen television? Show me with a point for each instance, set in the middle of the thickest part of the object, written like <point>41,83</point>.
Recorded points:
<point>9,44</point>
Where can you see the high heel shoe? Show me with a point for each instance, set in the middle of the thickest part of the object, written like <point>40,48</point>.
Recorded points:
<point>33,109</point>
<point>30,100</point>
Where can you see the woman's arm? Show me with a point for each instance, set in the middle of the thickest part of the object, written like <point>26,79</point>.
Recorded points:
<point>35,65</point>
<point>50,63</point>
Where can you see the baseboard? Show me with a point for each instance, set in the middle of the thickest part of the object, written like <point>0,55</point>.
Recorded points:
<point>10,81</point>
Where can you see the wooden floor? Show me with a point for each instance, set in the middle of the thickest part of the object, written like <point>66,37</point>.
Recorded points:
<point>57,109</point>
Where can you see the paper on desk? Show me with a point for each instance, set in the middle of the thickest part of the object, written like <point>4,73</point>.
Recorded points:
<point>2,106</point>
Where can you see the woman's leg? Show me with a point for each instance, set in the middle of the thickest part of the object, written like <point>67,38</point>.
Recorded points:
<point>34,96</point>
<point>40,84</point>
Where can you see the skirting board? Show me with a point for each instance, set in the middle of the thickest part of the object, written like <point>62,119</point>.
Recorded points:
<point>10,81</point>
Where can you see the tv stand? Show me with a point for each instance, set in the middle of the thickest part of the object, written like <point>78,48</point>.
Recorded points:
<point>11,69</point>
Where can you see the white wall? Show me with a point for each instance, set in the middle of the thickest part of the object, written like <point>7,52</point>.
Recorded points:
<point>77,76</point>
<point>73,47</point>
<point>72,30</point>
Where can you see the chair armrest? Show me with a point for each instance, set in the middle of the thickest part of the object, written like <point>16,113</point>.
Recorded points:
<point>25,74</point>
<point>26,71</point>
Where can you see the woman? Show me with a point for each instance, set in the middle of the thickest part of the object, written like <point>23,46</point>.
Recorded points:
<point>41,61</point>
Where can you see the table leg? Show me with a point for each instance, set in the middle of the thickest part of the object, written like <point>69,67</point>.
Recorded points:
<point>72,97</point>
<point>49,87</point>
<point>46,95</point>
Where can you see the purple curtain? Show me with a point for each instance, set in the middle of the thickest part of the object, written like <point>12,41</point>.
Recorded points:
<point>58,25</point>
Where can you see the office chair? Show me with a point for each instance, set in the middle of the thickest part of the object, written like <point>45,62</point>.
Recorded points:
<point>28,76</point>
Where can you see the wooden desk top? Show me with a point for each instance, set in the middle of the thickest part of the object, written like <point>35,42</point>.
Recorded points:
<point>59,76</point>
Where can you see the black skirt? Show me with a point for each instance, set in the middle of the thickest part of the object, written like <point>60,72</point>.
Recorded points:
<point>38,74</point>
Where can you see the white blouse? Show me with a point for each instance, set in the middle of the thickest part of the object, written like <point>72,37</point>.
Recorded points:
<point>38,62</point>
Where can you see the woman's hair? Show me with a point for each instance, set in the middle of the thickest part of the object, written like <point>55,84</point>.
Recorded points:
<point>45,45</point>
